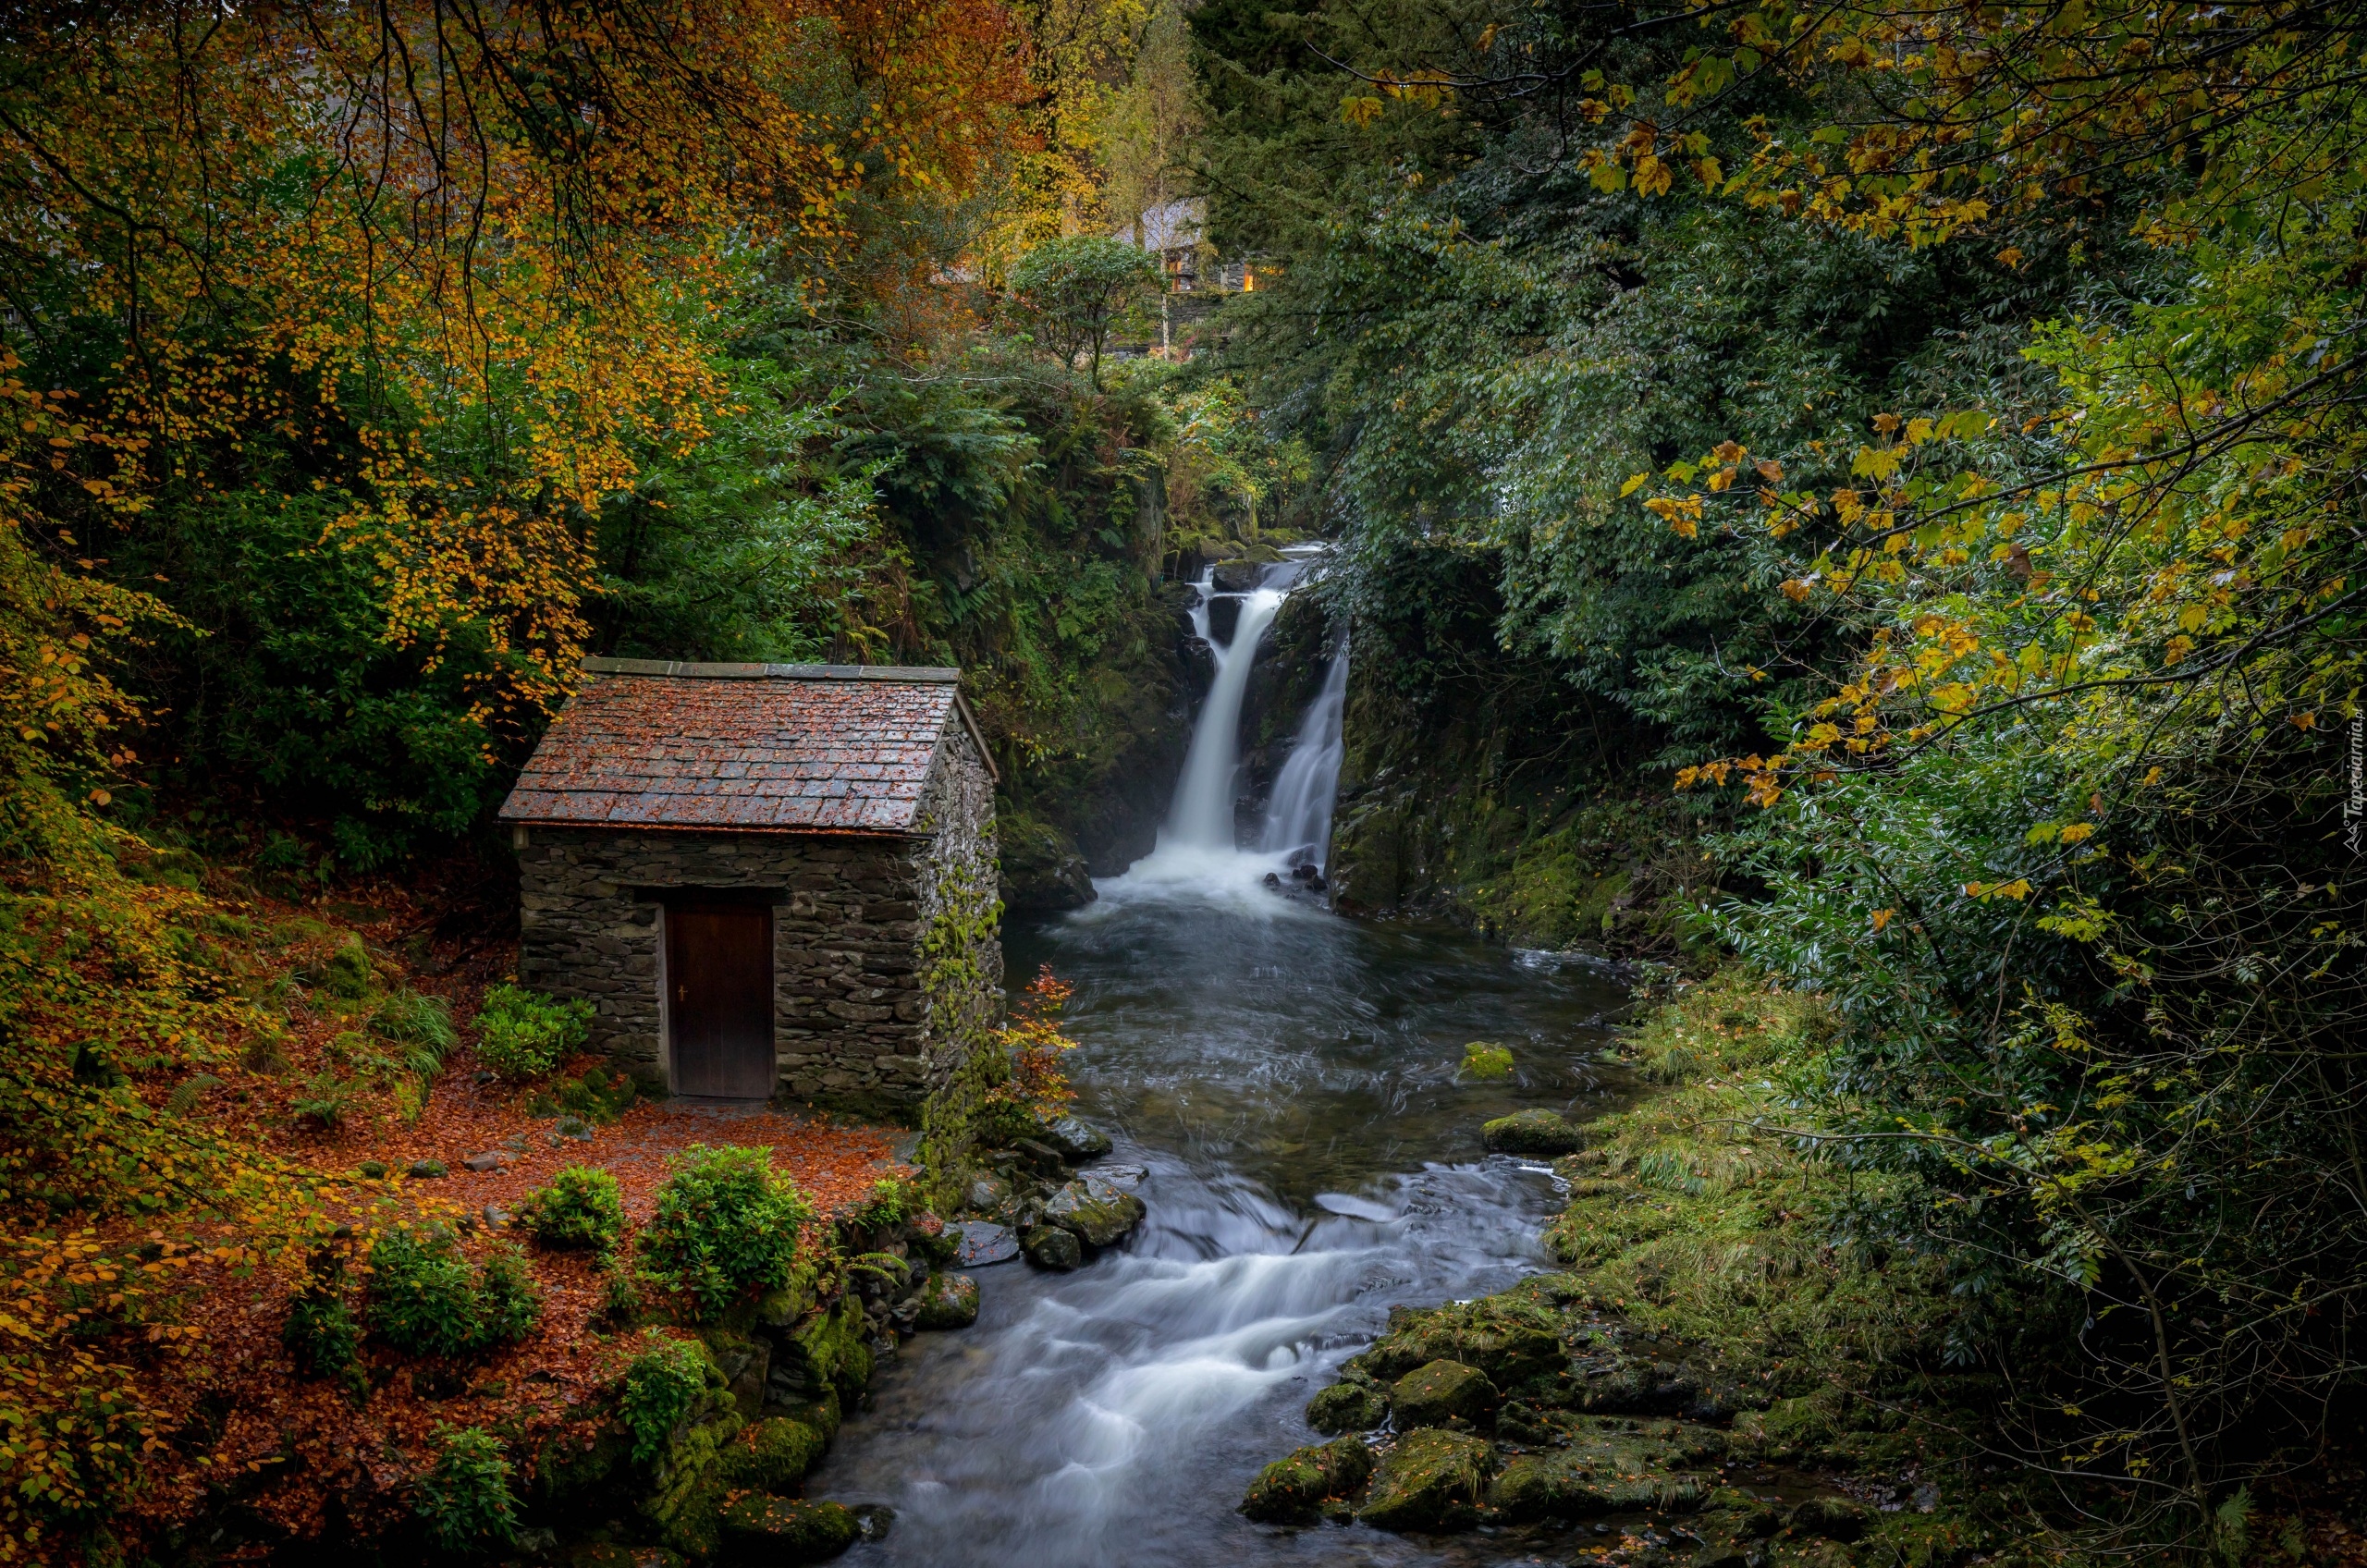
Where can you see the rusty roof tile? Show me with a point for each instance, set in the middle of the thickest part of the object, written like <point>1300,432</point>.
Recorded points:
<point>778,747</point>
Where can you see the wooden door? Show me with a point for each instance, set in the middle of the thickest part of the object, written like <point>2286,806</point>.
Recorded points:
<point>719,999</point>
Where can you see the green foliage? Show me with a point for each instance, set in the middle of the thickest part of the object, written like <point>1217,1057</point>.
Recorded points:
<point>523,1033</point>
<point>323,1099</point>
<point>581,1208</point>
<point>725,1227</point>
<point>425,1297</point>
<point>666,1384</point>
<point>464,1502</point>
<point>326,1341</point>
<point>1073,291</point>
<point>409,1018</point>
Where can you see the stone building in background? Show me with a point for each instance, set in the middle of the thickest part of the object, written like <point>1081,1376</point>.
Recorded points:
<point>767,879</point>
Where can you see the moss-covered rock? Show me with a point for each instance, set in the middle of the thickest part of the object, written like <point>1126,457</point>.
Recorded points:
<point>1443,1392</point>
<point>745,1362</point>
<point>1350,1405</point>
<point>948,1301</point>
<point>1611,1466</point>
<point>689,1487</point>
<point>1094,1212</point>
<point>760,1529</point>
<point>1485,1059</point>
<point>1040,867</point>
<point>1049,1246</point>
<point>773,1454</point>
<point>1511,1341</point>
<point>1538,1133</point>
<point>1430,1480</point>
<point>1292,1489</point>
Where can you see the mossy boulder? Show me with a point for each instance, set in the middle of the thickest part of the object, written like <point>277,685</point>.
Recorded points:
<point>1485,1059</point>
<point>1351,1405</point>
<point>1094,1212</point>
<point>1442,1393</point>
<point>762,1529</point>
<point>345,973</point>
<point>1292,1489</point>
<point>773,1454</point>
<point>1610,1466</point>
<point>948,1301</point>
<point>1510,1340</point>
<point>1049,1246</point>
<point>1430,1480</point>
<point>1541,1133</point>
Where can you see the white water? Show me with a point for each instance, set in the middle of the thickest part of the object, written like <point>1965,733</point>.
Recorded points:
<point>1299,816</point>
<point>1199,857</point>
<point>1201,817</point>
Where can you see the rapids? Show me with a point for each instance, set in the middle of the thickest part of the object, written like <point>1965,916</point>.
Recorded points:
<point>1290,1080</point>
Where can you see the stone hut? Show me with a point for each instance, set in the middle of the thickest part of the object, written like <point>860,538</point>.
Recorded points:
<point>769,879</point>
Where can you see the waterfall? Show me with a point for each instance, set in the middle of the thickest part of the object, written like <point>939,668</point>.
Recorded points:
<point>1298,819</point>
<point>1201,817</point>
<point>1199,857</point>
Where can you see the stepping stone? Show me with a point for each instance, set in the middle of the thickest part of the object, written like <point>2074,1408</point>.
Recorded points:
<point>1125,1178</point>
<point>983,1244</point>
<point>492,1159</point>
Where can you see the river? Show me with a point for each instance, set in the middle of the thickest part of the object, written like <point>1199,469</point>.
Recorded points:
<point>1291,1081</point>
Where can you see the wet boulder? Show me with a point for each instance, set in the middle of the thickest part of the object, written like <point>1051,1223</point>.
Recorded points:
<point>762,1529</point>
<point>1040,867</point>
<point>1538,1132</point>
<point>1048,1246</point>
<point>1350,1405</point>
<point>1430,1480</point>
<point>1095,1212</point>
<point>948,1301</point>
<point>1076,1139</point>
<point>987,1192</point>
<point>1235,577</point>
<point>1293,1490</point>
<point>981,1243</point>
<point>1442,1393</point>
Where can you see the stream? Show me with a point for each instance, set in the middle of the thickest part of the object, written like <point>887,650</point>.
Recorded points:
<point>1290,1080</point>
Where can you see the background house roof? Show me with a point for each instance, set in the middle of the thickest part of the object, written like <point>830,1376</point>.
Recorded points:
<point>804,748</point>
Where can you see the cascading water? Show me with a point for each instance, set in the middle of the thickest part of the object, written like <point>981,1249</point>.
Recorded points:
<point>1298,818</point>
<point>1201,817</point>
<point>1288,1081</point>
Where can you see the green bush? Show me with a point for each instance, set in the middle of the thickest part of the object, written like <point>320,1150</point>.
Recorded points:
<point>581,1208</point>
<point>425,1297</point>
<point>465,1499</point>
<point>323,1339</point>
<point>725,1226</point>
<point>523,1033</point>
<point>662,1386</point>
<point>509,1303</point>
<point>323,1099</point>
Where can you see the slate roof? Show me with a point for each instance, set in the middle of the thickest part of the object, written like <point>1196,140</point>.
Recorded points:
<point>795,748</point>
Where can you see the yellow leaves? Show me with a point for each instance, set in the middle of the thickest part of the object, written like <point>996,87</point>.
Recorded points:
<point>2017,890</point>
<point>1635,481</point>
<point>1683,514</point>
<point>1361,111</point>
<point>1653,176</point>
<point>1881,918</point>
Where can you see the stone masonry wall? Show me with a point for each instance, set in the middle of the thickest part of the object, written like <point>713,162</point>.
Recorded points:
<point>853,1016</point>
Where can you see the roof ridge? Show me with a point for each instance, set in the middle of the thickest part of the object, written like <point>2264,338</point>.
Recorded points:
<point>933,675</point>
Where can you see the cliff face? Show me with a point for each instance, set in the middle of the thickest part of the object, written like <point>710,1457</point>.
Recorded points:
<point>1500,803</point>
